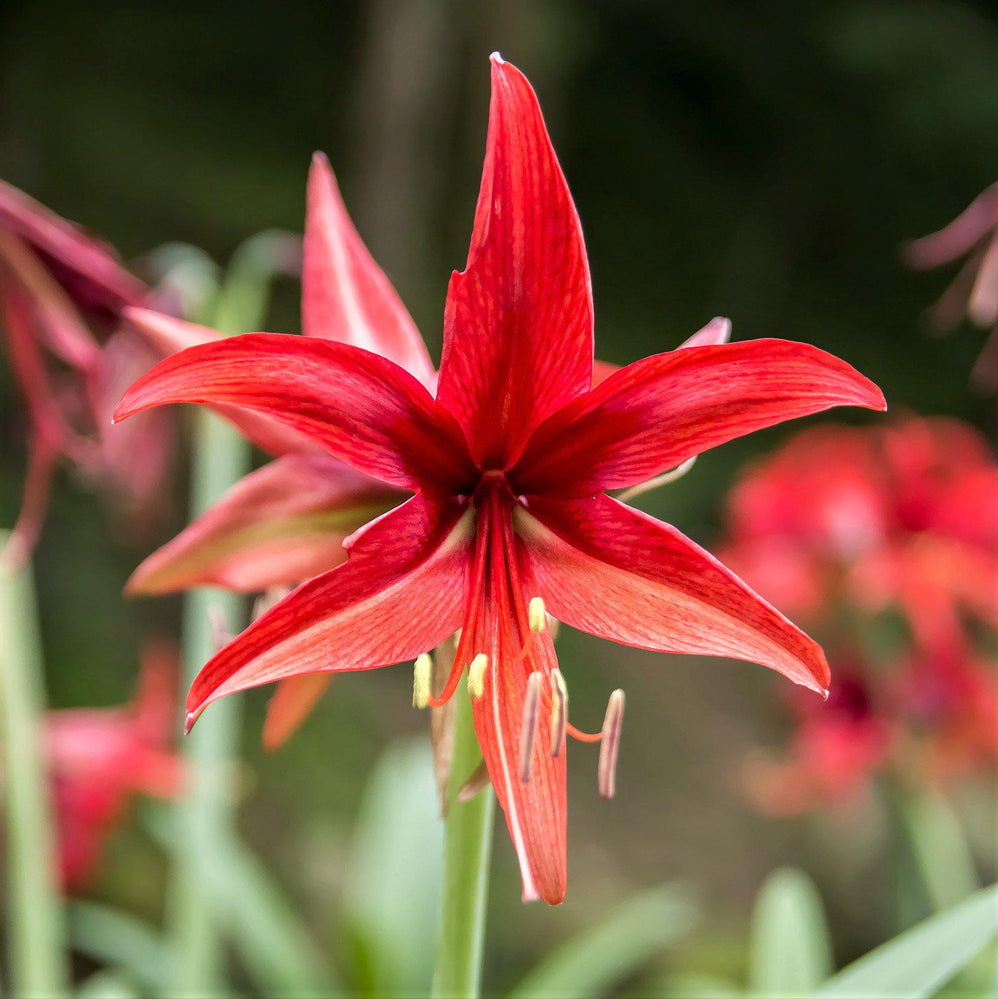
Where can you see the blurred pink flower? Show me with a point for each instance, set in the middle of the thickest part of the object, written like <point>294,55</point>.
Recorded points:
<point>99,758</point>
<point>61,296</point>
<point>974,292</point>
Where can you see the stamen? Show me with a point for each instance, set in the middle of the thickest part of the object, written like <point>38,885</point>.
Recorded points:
<point>476,675</point>
<point>660,480</point>
<point>580,736</point>
<point>475,784</point>
<point>537,615</point>
<point>610,745</point>
<point>528,734</point>
<point>422,671</point>
<point>559,712</point>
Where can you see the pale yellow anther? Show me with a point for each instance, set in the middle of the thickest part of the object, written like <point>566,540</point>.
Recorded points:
<point>559,712</point>
<point>476,675</point>
<point>537,615</point>
<point>421,673</point>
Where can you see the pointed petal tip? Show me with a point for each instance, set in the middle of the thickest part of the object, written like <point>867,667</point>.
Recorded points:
<point>496,59</point>
<point>189,719</point>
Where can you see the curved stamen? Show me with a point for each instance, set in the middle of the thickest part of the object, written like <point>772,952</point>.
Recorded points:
<point>559,712</point>
<point>580,736</point>
<point>531,715</point>
<point>610,745</point>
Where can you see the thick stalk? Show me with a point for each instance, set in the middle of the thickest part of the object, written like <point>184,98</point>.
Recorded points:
<point>35,934</point>
<point>220,458</point>
<point>467,852</point>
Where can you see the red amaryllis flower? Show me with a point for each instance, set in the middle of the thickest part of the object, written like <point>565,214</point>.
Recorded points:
<point>61,294</point>
<point>509,463</point>
<point>287,521</point>
<point>974,292</point>
<point>98,759</point>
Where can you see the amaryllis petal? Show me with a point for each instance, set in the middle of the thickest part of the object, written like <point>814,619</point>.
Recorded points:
<point>170,336</point>
<point>535,810</point>
<point>656,413</point>
<point>401,593</point>
<point>359,406</point>
<point>278,526</point>
<point>293,701</point>
<point>345,294</point>
<point>88,265</point>
<point>622,575</point>
<point>518,325</point>
<point>58,321</point>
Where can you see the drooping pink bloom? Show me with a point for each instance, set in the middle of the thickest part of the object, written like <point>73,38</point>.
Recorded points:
<point>843,526</point>
<point>973,234</point>
<point>509,463</point>
<point>98,759</point>
<point>61,296</point>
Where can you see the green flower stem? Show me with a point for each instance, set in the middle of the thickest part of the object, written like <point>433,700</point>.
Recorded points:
<point>35,931</point>
<point>467,852</point>
<point>221,456</point>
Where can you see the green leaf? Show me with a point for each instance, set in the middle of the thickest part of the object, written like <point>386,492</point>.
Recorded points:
<point>630,936</point>
<point>275,947</point>
<point>939,848</point>
<point>790,952</point>
<point>694,986</point>
<point>919,961</point>
<point>121,939</point>
<point>392,896</point>
<point>106,985</point>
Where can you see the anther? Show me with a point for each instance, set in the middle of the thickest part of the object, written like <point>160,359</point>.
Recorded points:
<point>537,615</point>
<point>422,670</point>
<point>559,712</point>
<point>528,733</point>
<point>610,744</point>
<point>476,675</point>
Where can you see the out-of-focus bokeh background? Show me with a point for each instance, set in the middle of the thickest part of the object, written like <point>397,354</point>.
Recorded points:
<point>763,162</point>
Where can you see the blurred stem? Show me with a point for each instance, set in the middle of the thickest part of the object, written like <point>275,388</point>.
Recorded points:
<point>467,852</point>
<point>221,456</point>
<point>34,920</point>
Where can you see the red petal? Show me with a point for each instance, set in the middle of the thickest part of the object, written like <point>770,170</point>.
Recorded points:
<point>280,525</point>
<point>654,414</point>
<point>345,294</point>
<point>89,266</point>
<point>358,405</point>
<point>170,336</point>
<point>402,592</point>
<point>624,576</point>
<point>291,704</point>
<point>518,339</point>
<point>536,812</point>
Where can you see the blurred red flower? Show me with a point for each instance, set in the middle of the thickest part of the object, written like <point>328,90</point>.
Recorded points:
<point>844,527</point>
<point>61,296</point>
<point>509,463</point>
<point>99,758</point>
